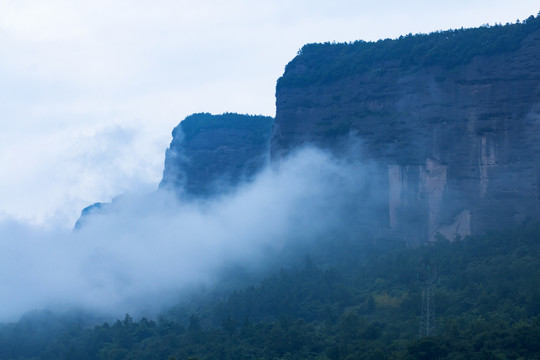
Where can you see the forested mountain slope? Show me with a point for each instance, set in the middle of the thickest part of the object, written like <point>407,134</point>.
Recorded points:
<point>347,300</point>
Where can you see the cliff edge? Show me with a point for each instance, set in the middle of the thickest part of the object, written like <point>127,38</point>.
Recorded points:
<point>212,153</point>
<point>452,117</point>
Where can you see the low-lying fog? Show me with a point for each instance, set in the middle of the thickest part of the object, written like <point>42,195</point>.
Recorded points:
<point>139,253</point>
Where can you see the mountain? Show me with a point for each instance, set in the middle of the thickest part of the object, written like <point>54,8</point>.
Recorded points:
<point>211,153</point>
<point>95,208</point>
<point>452,117</point>
<point>208,155</point>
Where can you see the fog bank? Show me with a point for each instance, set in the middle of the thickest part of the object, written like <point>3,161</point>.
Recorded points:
<point>142,251</point>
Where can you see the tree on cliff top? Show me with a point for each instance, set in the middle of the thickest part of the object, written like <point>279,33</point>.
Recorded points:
<point>327,62</point>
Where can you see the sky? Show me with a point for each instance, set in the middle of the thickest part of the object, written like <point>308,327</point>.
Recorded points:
<point>91,90</point>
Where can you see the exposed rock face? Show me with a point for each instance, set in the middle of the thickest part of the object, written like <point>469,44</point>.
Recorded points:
<point>461,144</point>
<point>88,211</point>
<point>211,153</point>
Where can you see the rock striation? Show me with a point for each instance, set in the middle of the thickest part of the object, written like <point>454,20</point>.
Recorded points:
<point>458,136</point>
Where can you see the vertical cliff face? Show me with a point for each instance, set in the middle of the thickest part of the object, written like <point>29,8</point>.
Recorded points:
<point>460,141</point>
<point>212,153</point>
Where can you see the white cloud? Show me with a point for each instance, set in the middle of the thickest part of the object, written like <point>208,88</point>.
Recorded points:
<point>144,247</point>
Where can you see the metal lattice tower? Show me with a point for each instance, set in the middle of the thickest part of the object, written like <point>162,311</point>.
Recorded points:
<point>428,276</point>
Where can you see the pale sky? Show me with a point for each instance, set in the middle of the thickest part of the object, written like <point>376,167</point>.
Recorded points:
<point>91,90</point>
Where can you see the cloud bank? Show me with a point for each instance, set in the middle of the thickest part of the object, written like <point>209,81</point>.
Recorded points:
<point>143,250</point>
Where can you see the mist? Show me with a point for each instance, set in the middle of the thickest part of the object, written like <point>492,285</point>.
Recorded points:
<point>144,252</point>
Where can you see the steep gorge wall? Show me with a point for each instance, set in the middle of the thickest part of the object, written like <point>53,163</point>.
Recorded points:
<point>460,144</point>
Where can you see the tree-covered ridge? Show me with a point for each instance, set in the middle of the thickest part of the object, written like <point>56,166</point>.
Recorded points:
<point>260,125</point>
<point>349,300</point>
<point>321,63</point>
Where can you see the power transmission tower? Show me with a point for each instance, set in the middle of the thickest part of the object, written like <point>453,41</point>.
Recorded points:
<point>428,276</point>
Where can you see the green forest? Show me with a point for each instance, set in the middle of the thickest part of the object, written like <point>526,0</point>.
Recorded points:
<point>348,298</point>
<point>320,63</point>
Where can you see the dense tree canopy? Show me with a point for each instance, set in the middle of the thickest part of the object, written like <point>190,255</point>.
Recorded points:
<point>327,62</point>
<point>365,306</point>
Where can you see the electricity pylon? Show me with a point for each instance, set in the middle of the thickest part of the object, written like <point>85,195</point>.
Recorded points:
<point>428,276</point>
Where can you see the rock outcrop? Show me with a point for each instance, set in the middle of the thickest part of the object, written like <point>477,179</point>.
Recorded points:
<point>212,153</point>
<point>459,139</point>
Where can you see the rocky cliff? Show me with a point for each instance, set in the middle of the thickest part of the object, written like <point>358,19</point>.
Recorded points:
<point>453,118</point>
<point>212,153</point>
<point>208,155</point>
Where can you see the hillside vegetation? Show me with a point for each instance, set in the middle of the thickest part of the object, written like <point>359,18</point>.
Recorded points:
<point>350,299</point>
